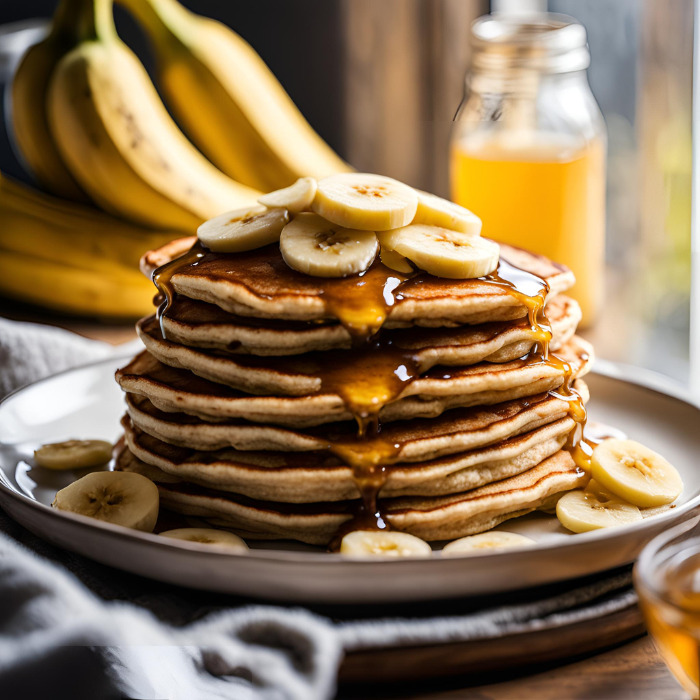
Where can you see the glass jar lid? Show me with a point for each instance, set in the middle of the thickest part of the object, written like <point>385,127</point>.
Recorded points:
<point>547,42</point>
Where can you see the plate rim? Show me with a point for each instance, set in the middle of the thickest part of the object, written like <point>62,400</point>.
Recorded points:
<point>638,376</point>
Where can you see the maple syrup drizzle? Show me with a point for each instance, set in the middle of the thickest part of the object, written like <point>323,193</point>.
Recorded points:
<point>531,291</point>
<point>162,278</point>
<point>363,308</point>
<point>376,373</point>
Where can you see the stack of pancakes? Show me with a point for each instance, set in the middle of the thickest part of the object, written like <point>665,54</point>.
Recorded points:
<point>247,396</point>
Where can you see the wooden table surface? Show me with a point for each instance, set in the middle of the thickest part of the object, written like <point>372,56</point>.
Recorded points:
<point>633,671</point>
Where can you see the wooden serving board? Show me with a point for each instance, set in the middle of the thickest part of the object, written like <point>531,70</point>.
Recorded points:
<point>392,665</point>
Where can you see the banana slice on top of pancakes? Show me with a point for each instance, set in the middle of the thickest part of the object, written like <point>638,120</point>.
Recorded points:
<point>337,226</point>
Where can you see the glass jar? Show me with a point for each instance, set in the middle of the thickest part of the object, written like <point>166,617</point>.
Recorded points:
<point>529,143</point>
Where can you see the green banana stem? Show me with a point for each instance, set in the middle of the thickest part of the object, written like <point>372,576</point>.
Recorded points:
<point>83,20</point>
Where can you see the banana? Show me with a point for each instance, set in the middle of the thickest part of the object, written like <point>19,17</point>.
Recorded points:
<point>29,126</point>
<point>476,544</point>
<point>314,246</point>
<point>78,235</point>
<point>78,259</point>
<point>394,261</point>
<point>442,252</point>
<point>126,294</point>
<point>205,535</point>
<point>120,498</point>
<point>243,229</point>
<point>73,454</point>
<point>365,201</point>
<point>229,102</point>
<point>593,509</point>
<point>436,211</point>
<point>636,473</point>
<point>370,543</point>
<point>295,198</point>
<point>120,143</point>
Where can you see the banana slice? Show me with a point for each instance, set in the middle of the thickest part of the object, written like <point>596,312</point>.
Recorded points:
<point>206,535</point>
<point>442,252</point>
<point>635,473</point>
<point>295,198</point>
<point>593,509</point>
<point>371,543</point>
<point>73,454</point>
<point>436,211</point>
<point>476,544</point>
<point>121,498</point>
<point>394,261</point>
<point>243,229</point>
<point>364,201</point>
<point>314,246</point>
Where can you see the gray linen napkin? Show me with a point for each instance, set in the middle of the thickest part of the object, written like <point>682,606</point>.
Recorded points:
<point>50,623</point>
<point>70,627</point>
<point>30,351</point>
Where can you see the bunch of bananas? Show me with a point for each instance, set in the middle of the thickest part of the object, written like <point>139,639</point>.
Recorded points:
<point>93,131</point>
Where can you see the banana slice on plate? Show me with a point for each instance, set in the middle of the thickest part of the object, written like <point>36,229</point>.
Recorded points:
<point>120,498</point>
<point>394,261</point>
<point>207,535</point>
<point>436,211</point>
<point>73,454</point>
<point>243,229</point>
<point>593,509</point>
<point>379,543</point>
<point>364,201</point>
<point>295,198</point>
<point>317,247</point>
<point>635,473</point>
<point>442,252</point>
<point>484,541</point>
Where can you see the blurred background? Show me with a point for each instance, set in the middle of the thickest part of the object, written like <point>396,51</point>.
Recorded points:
<point>381,83</point>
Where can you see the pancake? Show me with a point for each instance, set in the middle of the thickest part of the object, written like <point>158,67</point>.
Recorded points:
<point>421,349</point>
<point>172,389</point>
<point>198,324</point>
<point>428,517</point>
<point>259,283</point>
<point>454,431</point>
<point>310,477</point>
<point>246,413</point>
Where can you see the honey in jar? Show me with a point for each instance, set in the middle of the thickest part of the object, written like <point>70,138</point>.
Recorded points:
<point>528,148</point>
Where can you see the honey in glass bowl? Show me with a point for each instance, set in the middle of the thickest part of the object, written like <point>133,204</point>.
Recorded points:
<point>667,580</point>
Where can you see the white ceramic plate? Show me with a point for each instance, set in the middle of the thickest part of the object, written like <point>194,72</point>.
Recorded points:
<point>86,403</point>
